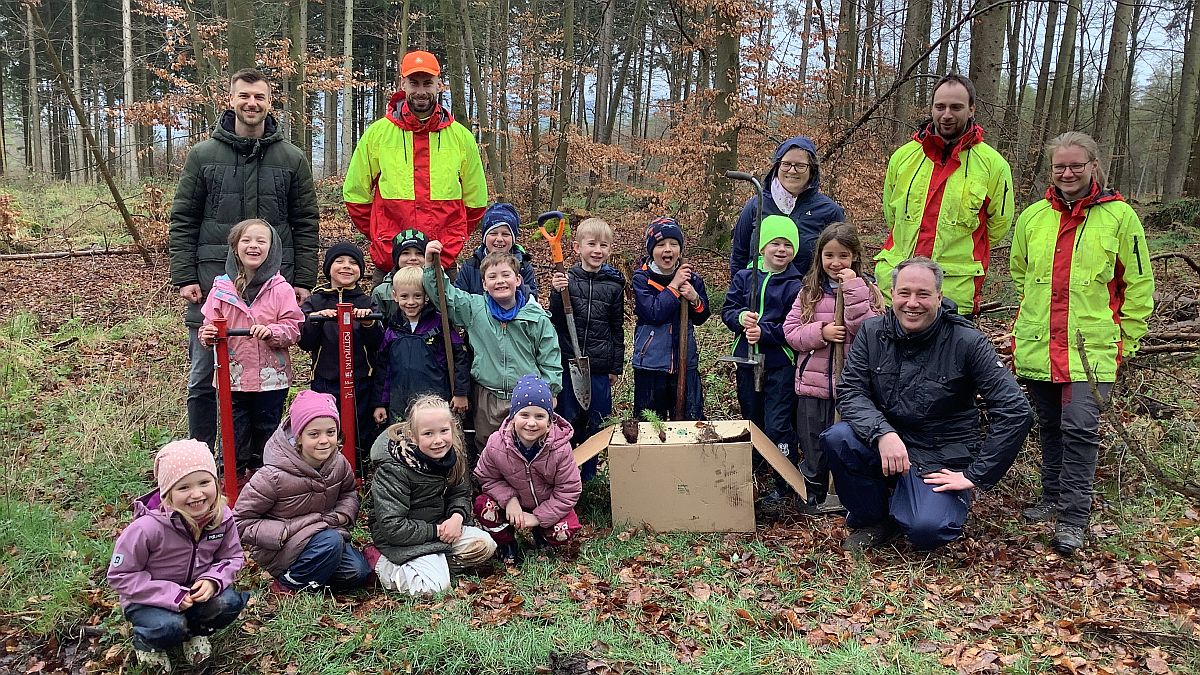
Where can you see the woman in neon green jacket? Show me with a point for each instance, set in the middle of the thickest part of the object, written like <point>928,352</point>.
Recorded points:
<point>1081,266</point>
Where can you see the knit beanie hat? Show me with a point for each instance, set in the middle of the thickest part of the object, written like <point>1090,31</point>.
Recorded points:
<point>340,249</point>
<point>500,214</point>
<point>308,406</point>
<point>530,390</point>
<point>778,227</point>
<point>662,228</point>
<point>409,238</point>
<point>179,458</point>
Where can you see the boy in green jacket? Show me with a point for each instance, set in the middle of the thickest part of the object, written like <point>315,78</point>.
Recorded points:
<point>511,335</point>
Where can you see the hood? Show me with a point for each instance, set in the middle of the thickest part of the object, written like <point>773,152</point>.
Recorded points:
<point>935,146</point>
<point>804,143</point>
<point>1096,195</point>
<point>280,452</point>
<point>224,132</point>
<point>150,505</point>
<point>268,269</point>
<point>560,432</point>
<point>399,114</point>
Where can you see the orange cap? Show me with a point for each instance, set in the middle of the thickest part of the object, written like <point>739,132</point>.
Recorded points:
<point>419,62</point>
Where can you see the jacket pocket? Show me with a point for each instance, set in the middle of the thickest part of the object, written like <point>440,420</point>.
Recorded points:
<point>642,342</point>
<point>974,194</point>
<point>1100,262</point>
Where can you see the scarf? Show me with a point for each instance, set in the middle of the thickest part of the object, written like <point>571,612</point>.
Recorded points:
<point>785,200</point>
<point>505,315</point>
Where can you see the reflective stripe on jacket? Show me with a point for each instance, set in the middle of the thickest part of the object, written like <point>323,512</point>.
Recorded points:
<point>951,204</point>
<point>1080,268</point>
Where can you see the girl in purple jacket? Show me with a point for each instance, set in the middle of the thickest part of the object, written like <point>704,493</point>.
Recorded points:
<point>811,331</point>
<point>528,474</point>
<point>252,294</point>
<point>173,567</point>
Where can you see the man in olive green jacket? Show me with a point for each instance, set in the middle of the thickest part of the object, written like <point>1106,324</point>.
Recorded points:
<point>246,170</point>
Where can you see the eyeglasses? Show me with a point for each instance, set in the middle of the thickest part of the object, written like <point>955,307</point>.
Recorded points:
<point>1060,169</point>
<point>797,167</point>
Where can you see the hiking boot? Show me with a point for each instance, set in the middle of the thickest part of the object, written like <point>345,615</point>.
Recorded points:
<point>153,660</point>
<point>872,536</point>
<point>1041,512</point>
<point>197,650</point>
<point>1068,539</point>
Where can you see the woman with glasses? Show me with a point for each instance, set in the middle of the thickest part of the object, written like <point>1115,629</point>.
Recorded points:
<point>1082,269</point>
<point>791,188</point>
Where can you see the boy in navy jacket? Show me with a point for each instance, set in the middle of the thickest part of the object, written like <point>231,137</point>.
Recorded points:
<point>659,285</point>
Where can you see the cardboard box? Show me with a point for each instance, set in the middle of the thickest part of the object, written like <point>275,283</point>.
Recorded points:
<point>699,479</point>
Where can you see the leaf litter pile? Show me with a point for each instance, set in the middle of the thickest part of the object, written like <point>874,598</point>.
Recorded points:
<point>997,601</point>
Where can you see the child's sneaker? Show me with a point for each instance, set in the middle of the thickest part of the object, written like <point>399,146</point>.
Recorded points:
<point>197,650</point>
<point>510,554</point>
<point>279,588</point>
<point>153,660</point>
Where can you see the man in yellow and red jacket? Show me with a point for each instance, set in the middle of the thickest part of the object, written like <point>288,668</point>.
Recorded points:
<point>1081,266</point>
<point>415,168</point>
<point>947,196</point>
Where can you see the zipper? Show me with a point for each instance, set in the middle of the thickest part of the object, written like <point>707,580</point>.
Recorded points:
<point>1081,228</point>
<point>195,547</point>
<point>1137,255</point>
<point>1005,199</point>
<point>646,346</point>
<point>908,193</point>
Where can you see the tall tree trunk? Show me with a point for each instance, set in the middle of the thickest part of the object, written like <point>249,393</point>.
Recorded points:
<point>1010,124</point>
<point>454,58</point>
<point>3,130</point>
<point>987,50</point>
<point>917,24</point>
<point>205,69</point>
<point>535,134</point>
<point>1185,114</point>
<point>1041,102</point>
<point>805,34</point>
<point>1060,93</point>
<point>847,51</point>
<point>77,85</point>
<point>631,47</point>
<point>558,183</point>
<point>868,50</point>
<point>240,34</point>
<point>1112,85</point>
<point>34,119</point>
<point>502,112</point>
<point>329,117</point>
<point>297,106</point>
<point>129,144</point>
<point>348,89</point>
<point>1122,162</point>
<point>725,81</point>
<point>481,107</point>
<point>604,78</point>
<point>943,61</point>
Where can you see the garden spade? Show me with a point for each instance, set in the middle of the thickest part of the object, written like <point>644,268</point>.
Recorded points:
<point>580,368</point>
<point>755,357</point>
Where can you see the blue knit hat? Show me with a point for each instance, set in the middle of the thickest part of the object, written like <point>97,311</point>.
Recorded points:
<point>530,390</point>
<point>662,228</point>
<point>500,214</point>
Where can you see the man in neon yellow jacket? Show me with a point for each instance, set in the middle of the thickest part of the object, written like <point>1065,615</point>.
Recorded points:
<point>1081,266</point>
<point>947,196</point>
<point>415,168</point>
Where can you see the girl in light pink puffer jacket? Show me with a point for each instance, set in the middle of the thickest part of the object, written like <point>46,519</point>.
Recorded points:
<point>810,330</point>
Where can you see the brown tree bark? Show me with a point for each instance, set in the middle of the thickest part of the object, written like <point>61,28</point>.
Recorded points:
<point>917,24</point>
<point>987,49</point>
<point>725,80</point>
<point>452,71</point>
<point>558,181</point>
<point>481,108</point>
<point>240,34</point>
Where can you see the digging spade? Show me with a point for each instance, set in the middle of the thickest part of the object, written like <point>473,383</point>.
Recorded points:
<point>755,358</point>
<point>579,367</point>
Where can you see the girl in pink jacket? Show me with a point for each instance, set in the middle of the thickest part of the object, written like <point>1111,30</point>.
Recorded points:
<point>173,567</point>
<point>254,296</point>
<point>811,331</point>
<point>528,474</point>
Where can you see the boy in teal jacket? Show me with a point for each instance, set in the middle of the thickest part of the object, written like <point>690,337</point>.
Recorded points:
<point>510,333</point>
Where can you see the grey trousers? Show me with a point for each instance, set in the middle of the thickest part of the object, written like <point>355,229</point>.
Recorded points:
<point>1068,426</point>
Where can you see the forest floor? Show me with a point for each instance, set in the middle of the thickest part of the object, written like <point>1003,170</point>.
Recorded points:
<point>92,371</point>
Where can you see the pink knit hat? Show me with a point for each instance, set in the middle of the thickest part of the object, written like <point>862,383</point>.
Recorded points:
<point>308,406</point>
<point>179,458</point>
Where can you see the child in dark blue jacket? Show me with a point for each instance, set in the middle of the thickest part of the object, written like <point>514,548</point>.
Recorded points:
<point>413,353</point>
<point>778,281</point>
<point>343,267</point>
<point>500,226</point>
<point>659,285</point>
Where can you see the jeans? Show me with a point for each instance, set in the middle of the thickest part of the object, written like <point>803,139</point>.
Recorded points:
<point>158,629</point>
<point>327,560</point>
<point>256,415</point>
<point>929,519</point>
<point>1068,426</point>
<point>202,396</point>
<point>586,423</point>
